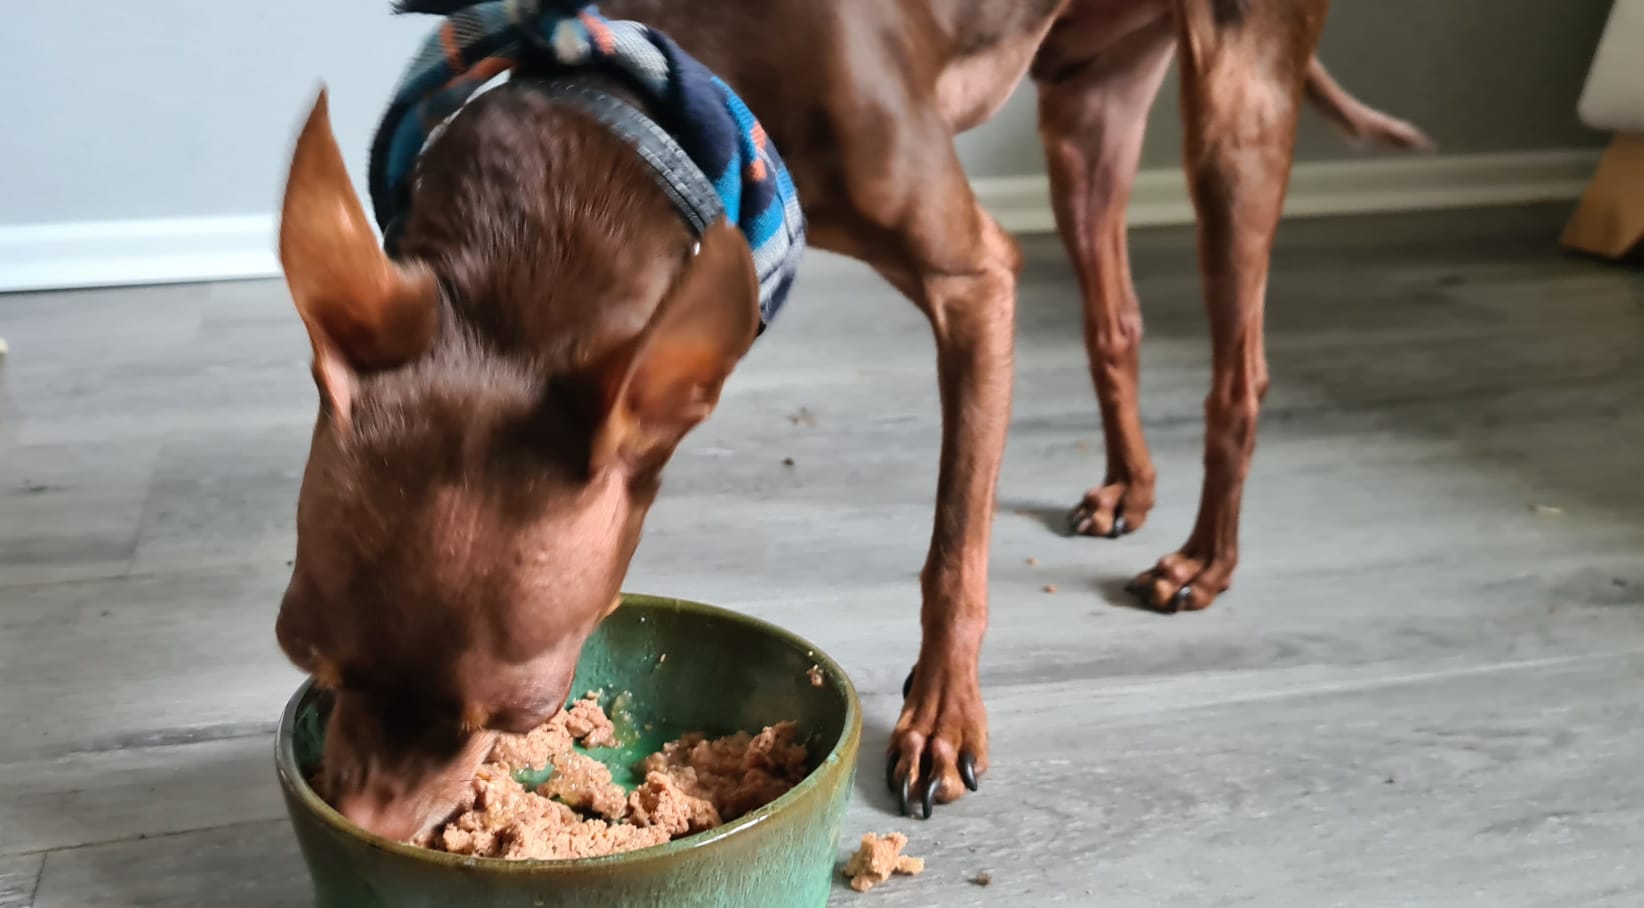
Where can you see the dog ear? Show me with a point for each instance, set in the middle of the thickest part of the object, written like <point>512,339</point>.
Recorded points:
<point>363,311</point>
<point>669,379</point>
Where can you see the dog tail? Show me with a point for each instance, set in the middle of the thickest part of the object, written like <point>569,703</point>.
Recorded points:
<point>1361,123</point>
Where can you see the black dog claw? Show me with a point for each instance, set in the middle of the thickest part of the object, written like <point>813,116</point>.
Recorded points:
<point>967,770</point>
<point>902,796</point>
<point>1182,599</point>
<point>890,771</point>
<point>1077,520</point>
<point>929,801</point>
<point>907,685</point>
<point>1119,527</point>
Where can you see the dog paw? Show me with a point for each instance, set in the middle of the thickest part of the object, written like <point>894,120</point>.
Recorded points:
<point>1111,511</point>
<point>1182,582</point>
<point>940,745</point>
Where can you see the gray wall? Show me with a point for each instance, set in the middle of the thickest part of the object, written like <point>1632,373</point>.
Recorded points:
<point>121,109</point>
<point>177,108</point>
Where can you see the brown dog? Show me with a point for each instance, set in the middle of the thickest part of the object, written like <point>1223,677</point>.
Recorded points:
<point>496,405</point>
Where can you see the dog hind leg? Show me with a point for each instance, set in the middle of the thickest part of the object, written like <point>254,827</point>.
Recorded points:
<point>1242,80</point>
<point>1092,117</point>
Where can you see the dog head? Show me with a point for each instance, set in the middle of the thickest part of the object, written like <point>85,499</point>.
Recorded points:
<point>491,431</point>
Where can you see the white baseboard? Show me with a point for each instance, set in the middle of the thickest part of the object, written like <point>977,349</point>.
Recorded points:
<point>117,253</point>
<point>1319,188</point>
<point>179,250</point>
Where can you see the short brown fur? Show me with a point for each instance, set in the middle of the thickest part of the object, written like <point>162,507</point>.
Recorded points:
<point>498,403</point>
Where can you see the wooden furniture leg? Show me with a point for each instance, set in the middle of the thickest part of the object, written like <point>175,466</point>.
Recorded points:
<point>1610,220</point>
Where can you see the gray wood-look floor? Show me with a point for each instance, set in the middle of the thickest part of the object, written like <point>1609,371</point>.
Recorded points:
<point>1425,688</point>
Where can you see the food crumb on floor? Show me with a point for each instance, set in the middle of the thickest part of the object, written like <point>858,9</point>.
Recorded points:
<point>878,858</point>
<point>815,673</point>
<point>787,461</point>
<point>982,879</point>
<point>1032,561</point>
<point>1050,587</point>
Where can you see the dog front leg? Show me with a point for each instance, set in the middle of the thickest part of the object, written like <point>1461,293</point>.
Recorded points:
<point>962,275</point>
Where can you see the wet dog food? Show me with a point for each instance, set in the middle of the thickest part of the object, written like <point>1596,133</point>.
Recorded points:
<point>691,784</point>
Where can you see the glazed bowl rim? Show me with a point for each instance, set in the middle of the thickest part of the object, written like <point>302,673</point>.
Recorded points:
<point>285,760</point>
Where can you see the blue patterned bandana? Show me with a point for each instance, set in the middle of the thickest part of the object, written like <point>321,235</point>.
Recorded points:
<point>711,155</point>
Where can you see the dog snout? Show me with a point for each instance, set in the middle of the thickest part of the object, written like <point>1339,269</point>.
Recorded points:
<point>390,816</point>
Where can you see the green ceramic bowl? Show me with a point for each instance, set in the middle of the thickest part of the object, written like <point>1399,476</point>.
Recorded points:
<point>723,672</point>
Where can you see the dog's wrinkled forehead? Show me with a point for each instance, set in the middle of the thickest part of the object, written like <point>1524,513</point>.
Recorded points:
<point>483,434</point>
